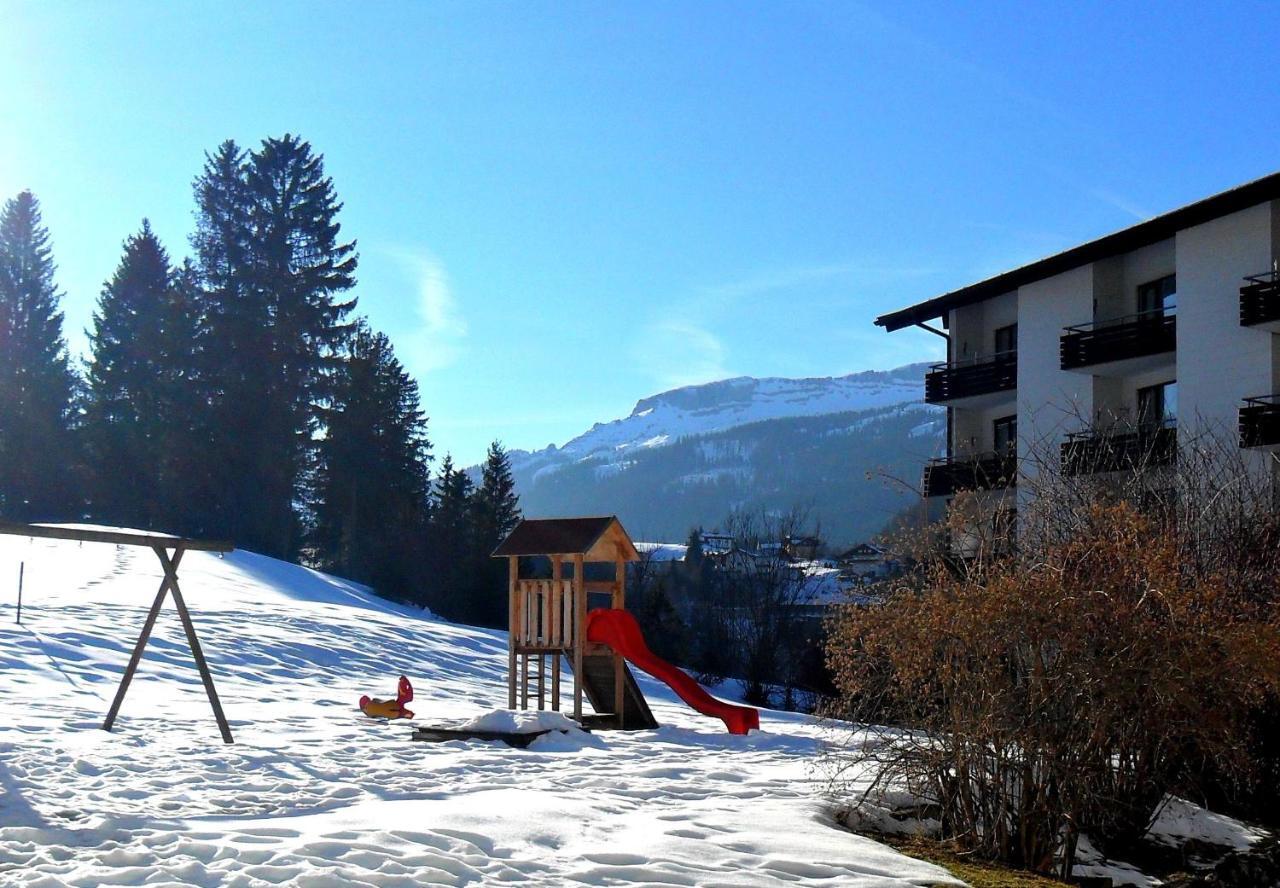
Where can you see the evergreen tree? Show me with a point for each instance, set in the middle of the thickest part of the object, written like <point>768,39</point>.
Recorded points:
<point>372,480</point>
<point>451,540</point>
<point>228,347</point>
<point>495,510</point>
<point>139,422</point>
<point>273,267</point>
<point>36,380</point>
<point>693,548</point>
<point>496,505</point>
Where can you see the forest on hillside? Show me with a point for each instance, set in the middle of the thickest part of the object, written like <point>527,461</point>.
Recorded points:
<point>236,393</point>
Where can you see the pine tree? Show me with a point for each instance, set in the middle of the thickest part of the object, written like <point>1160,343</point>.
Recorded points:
<point>139,416</point>
<point>693,548</point>
<point>228,349</point>
<point>496,505</point>
<point>268,252</point>
<point>372,480</point>
<point>36,380</point>
<point>450,542</point>
<point>495,511</point>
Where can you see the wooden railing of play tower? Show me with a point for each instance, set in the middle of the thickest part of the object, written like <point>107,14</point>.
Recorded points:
<point>548,620</point>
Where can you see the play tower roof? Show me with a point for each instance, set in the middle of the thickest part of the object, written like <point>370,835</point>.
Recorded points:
<point>595,539</point>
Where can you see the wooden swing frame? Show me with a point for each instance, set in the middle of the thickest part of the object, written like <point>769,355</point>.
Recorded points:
<point>169,550</point>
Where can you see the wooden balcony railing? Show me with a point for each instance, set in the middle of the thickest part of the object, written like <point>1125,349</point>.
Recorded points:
<point>986,471</point>
<point>1119,450</point>
<point>1260,421</point>
<point>1132,336</point>
<point>1260,299</point>
<point>978,376</point>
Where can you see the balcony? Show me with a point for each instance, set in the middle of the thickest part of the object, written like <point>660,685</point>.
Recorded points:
<point>985,471</point>
<point>972,383</point>
<point>1260,421</point>
<point>1119,450</point>
<point>1260,301</point>
<point>1121,346</point>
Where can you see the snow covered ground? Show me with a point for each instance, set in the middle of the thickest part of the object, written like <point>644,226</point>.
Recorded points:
<point>315,794</point>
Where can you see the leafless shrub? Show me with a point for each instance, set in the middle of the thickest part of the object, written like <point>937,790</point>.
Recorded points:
<point>1068,683</point>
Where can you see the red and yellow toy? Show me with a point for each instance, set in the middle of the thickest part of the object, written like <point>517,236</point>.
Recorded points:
<point>375,708</point>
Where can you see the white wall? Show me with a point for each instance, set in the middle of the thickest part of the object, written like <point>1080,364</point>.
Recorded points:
<point>972,327</point>
<point>1220,362</point>
<point>1051,401</point>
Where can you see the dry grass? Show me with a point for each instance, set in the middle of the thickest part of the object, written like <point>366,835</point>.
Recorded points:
<point>978,873</point>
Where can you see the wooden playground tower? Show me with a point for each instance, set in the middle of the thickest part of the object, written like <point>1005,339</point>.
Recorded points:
<point>548,619</point>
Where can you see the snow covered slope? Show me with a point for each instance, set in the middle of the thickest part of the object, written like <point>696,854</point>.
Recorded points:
<point>314,794</point>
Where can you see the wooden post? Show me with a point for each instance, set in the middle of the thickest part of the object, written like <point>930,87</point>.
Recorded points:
<point>524,681</point>
<point>171,567</point>
<point>557,631</point>
<point>513,611</point>
<point>170,584</point>
<point>579,633</point>
<point>619,665</point>
<point>139,646</point>
<point>542,682</point>
<point>22,568</point>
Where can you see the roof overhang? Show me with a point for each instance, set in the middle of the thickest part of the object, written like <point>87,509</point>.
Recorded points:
<point>1132,238</point>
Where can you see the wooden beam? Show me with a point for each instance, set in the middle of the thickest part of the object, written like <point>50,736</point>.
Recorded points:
<point>619,666</point>
<point>170,584</point>
<point>542,682</point>
<point>118,537</point>
<point>557,634</point>
<point>139,646</point>
<point>524,681</point>
<point>171,570</point>
<point>579,633</point>
<point>513,613</point>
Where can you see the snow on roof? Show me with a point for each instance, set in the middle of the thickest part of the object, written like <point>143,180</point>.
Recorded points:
<point>662,551</point>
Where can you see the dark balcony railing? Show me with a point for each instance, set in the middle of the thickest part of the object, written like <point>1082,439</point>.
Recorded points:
<point>978,376</point>
<point>1260,299</point>
<point>986,471</point>
<point>1133,336</point>
<point>1119,450</point>
<point>1260,421</point>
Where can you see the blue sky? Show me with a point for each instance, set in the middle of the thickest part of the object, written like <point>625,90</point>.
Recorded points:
<point>564,207</point>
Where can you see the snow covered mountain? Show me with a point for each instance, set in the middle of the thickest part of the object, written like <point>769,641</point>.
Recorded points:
<point>688,456</point>
<point>716,406</point>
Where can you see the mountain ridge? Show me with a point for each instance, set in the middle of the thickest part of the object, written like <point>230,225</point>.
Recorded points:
<point>689,456</point>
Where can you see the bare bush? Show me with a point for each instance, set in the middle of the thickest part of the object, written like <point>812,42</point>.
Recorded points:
<point>1069,683</point>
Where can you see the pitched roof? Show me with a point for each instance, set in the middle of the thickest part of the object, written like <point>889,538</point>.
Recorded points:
<point>1134,237</point>
<point>565,536</point>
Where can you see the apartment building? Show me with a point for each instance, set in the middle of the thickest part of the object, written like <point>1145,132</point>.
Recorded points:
<point>1101,354</point>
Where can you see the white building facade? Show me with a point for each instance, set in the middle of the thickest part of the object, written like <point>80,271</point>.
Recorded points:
<point>1110,349</point>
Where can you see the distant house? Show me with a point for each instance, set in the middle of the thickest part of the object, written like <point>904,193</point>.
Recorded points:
<point>718,543</point>
<point>801,548</point>
<point>865,563</point>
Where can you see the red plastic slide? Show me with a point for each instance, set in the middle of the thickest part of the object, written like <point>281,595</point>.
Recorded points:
<point>619,630</point>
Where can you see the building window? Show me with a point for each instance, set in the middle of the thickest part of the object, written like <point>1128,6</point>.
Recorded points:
<point>1159,297</point>
<point>1006,339</point>
<point>1157,405</point>
<point>1004,433</point>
